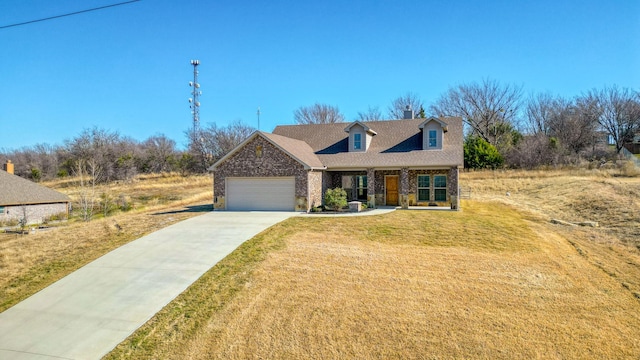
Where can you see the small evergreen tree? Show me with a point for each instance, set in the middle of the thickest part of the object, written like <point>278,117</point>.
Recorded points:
<point>479,154</point>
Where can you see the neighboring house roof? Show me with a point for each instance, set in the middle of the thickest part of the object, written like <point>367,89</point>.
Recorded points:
<point>15,190</point>
<point>298,150</point>
<point>398,143</point>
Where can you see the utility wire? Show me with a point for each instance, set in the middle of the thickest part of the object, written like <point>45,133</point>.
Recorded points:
<point>69,14</point>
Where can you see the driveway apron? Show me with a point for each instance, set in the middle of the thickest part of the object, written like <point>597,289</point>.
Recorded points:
<point>86,314</point>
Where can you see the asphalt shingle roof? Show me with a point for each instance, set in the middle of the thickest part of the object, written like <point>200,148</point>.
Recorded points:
<point>15,190</point>
<point>397,143</point>
<point>296,148</point>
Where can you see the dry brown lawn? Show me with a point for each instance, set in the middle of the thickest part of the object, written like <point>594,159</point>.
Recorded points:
<point>576,196</point>
<point>495,281</point>
<point>28,263</point>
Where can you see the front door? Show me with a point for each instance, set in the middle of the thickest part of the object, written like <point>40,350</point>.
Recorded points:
<point>391,192</point>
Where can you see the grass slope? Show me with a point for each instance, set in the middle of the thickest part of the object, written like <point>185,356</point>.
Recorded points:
<point>488,282</point>
<point>29,263</point>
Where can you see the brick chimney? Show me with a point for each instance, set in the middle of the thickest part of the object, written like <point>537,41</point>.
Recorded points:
<point>8,167</point>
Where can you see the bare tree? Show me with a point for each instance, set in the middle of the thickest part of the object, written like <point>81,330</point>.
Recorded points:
<point>372,114</point>
<point>197,150</point>
<point>318,114</point>
<point>24,220</point>
<point>218,141</point>
<point>88,174</point>
<point>159,154</point>
<point>538,112</point>
<point>485,107</point>
<point>399,105</point>
<point>618,112</point>
<point>574,124</point>
<point>100,146</point>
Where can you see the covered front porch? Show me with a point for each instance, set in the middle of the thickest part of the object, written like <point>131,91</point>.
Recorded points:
<point>404,187</point>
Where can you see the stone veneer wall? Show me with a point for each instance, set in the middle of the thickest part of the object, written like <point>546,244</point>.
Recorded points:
<point>454,188</point>
<point>36,214</point>
<point>408,184</point>
<point>315,189</point>
<point>273,162</point>
<point>452,185</point>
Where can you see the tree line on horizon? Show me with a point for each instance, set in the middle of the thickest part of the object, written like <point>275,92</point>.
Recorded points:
<point>502,128</point>
<point>505,128</point>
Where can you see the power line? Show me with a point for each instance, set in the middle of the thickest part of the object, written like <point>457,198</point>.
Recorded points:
<point>69,14</point>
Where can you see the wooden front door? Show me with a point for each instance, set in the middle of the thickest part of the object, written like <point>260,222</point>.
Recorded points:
<point>391,192</point>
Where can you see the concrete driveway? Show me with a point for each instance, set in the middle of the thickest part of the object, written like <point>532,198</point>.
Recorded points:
<point>86,314</point>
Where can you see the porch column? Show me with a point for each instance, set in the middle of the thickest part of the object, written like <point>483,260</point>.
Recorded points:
<point>404,188</point>
<point>454,188</point>
<point>371,188</point>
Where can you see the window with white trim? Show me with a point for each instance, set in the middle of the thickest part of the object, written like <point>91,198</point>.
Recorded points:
<point>440,188</point>
<point>433,138</point>
<point>423,187</point>
<point>357,141</point>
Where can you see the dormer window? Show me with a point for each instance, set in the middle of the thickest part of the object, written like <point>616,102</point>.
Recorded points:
<point>360,136</point>
<point>433,138</point>
<point>357,141</point>
<point>433,130</point>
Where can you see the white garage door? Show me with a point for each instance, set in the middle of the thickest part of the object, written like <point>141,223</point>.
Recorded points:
<point>261,194</point>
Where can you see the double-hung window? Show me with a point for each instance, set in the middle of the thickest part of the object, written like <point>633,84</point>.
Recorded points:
<point>423,187</point>
<point>357,141</point>
<point>440,187</point>
<point>433,138</point>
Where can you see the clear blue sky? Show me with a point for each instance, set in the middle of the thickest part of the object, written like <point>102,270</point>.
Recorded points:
<point>127,69</point>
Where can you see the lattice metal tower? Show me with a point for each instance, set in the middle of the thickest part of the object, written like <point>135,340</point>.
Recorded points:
<point>194,100</point>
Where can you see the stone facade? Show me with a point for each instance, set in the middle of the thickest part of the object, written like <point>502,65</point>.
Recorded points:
<point>315,189</point>
<point>404,188</point>
<point>36,214</point>
<point>371,187</point>
<point>452,187</point>
<point>259,158</point>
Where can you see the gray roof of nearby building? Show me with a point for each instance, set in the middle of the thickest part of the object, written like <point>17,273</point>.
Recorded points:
<point>15,190</point>
<point>397,143</point>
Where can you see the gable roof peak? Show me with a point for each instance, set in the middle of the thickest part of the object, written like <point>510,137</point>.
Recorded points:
<point>433,118</point>
<point>358,122</point>
<point>297,149</point>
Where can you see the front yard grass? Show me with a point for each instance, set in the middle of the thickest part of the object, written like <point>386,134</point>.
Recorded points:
<point>29,263</point>
<point>487,282</point>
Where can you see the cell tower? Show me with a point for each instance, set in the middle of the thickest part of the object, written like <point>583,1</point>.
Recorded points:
<point>194,100</point>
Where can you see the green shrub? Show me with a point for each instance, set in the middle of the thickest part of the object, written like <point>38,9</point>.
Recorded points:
<point>479,154</point>
<point>335,199</point>
<point>36,174</point>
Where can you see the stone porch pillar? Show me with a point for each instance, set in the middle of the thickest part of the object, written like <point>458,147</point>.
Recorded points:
<point>454,188</point>
<point>404,188</point>
<point>371,188</point>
